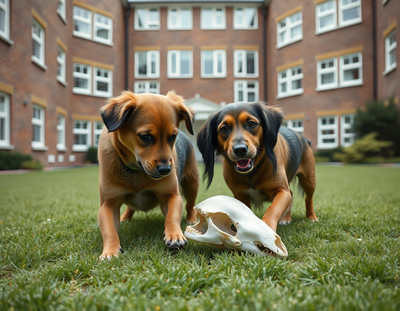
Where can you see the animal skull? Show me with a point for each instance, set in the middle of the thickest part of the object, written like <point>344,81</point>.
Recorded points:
<point>227,223</point>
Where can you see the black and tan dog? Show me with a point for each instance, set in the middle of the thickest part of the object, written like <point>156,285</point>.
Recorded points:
<point>260,158</point>
<point>143,161</point>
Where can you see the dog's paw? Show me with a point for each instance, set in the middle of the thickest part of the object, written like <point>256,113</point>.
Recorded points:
<point>191,221</point>
<point>285,222</point>
<point>110,254</point>
<point>313,218</point>
<point>175,241</point>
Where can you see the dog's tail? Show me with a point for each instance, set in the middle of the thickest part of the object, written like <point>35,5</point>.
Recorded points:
<point>296,184</point>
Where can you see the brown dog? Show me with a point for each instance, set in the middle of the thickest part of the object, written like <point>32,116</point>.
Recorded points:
<point>260,158</point>
<point>143,160</point>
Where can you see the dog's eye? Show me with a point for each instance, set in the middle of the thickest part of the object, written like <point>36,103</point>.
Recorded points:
<point>251,124</point>
<point>145,138</point>
<point>172,138</point>
<point>224,129</point>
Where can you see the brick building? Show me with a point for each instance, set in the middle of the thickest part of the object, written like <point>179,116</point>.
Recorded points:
<point>319,60</point>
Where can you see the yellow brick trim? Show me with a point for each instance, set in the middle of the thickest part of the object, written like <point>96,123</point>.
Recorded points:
<point>335,112</point>
<point>38,101</point>
<point>213,47</point>
<point>147,48</point>
<point>320,1</point>
<point>290,65</point>
<point>93,9</point>
<point>295,10</point>
<point>395,101</point>
<point>61,110</point>
<point>294,116</point>
<point>60,43</point>
<point>340,52</point>
<point>86,117</point>
<point>390,29</point>
<point>246,47</point>
<point>39,19</point>
<point>6,88</point>
<point>92,63</point>
<point>180,47</point>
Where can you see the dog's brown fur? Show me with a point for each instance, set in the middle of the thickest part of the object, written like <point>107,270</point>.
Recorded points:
<point>129,118</point>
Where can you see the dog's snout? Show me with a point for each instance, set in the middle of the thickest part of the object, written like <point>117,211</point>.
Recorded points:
<point>164,169</point>
<point>240,150</point>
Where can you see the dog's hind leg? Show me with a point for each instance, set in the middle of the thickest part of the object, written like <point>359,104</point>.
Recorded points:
<point>127,215</point>
<point>190,188</point>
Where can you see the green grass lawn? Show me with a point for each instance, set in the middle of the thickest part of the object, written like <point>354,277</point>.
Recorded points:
<point>50,242</point>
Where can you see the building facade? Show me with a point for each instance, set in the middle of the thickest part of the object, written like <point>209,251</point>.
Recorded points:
<point>319,60</point>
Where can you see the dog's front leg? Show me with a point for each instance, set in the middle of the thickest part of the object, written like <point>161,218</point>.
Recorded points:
<point>109,226</point>
<point>282,200</point>
<point>172,210</point>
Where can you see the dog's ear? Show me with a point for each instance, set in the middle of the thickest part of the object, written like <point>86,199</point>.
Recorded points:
<point>271,120</point>
<point>185,113</point>
<point>117,110</point>
<point>207,142</point>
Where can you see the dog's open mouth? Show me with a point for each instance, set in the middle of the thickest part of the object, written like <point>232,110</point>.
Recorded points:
<point>244,165</point>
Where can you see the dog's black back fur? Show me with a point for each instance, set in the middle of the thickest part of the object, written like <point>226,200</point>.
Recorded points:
<point>183,148</point>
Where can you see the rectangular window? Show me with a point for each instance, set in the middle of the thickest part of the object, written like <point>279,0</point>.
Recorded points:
<point>350,70</point>
<point>147,19</point>
<point>349,12</point>
<point>82,135</point>
<point>98,128</point>
<point>61,64</point>
<point>213,64</point>
<point>5,19</point>
<point>180,18</point>
<point>245,63</point>
<point>147,64</point>
<point>38,127</point>
<point>326,16</point>
<point>61,9</point>
<point>246,91</point>
<point>152,87</point>
<point>37,43</point>
<point>296,125</point>
<point>4,120</point>
<point>390,52</point>
<point>213,18</point>
<point>245,18</point>
<point>290,81</point>
<point>82,78</point>
<point>82,22</point>
<point>61,132</point>
<point>180,64</point>
<point>328,132</point>
<point>290,29</point>
<point>102,82</point>
<point>102,29</point>
<point>327,74</point>
<point>346,130</point>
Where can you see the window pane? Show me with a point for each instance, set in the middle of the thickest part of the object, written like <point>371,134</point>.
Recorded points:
<point>102,33</point>
<point>141,17</point>
<point>208,62</point>
<point>326,21</point>
<point>350,14</point>
<point>142,63</point>
<point>81,27</point>
<point>251,97</point>
<point>250,63</point>
<point>185,18</point>
<point>153,15</point>
<point>250,17</point>
<point>2,128</point>
<point>173,62</point>
<point>173,16</point>
<point>219,63</point>
<point>36,133</point>
<point>283,87</point>
<point>330,140</point>
<point>282,37</point>
<point>153,63</point>
<point>392,57</point>
<point>81,83</point>
<point>240,96</point>
<point>185,60</point>
<point>218,19</point>
<point>80,139</point>
<point>206,16</point>
<point>351,74</point>
<point>239,16</point>
<point>36,49</point>
<point>327,78</point>
<point>296,32</point>
<point>240,62</point>
<point>2,20</point>
<point>297,84</point>
<point>102,86</point>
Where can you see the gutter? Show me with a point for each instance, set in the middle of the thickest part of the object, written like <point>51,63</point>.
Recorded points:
<point>374,58</point>
<point>127,14</point>
<point>264,14</point>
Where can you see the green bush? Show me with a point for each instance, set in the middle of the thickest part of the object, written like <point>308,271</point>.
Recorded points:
<point>321,159</point>
<point>327,155</point>
<point>382,160</point>
<point>13,160</point>
<point>92,155</point>
<point>32,165</point>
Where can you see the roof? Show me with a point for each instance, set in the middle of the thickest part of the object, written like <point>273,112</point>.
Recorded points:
<point>203,107</point>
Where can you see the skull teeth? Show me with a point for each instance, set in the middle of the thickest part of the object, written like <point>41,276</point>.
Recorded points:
<point>193,230</point>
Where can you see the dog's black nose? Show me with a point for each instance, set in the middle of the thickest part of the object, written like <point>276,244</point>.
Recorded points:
<point>164,169</point>
<point>240,150</point>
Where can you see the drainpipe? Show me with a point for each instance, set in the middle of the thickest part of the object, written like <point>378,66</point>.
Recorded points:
<point>264,14</point>
<point>127,14</point>
<point>374,66</point>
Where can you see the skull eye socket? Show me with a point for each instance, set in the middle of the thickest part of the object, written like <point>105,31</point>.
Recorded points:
<point>224,223</point>
<point>233,228</point>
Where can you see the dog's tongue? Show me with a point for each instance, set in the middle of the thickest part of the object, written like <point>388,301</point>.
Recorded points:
<point>243,163</point>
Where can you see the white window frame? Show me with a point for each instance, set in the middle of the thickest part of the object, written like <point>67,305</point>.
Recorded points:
<point>39,145</point>
<point>146,89</point>
<point>61,131</point>
<point>108,27</point>
<point>343,67</point>
<point>6,8</point>
<point>290,77</point>
<point>107,80</point>
<point>97,132</point>
<point>319,15</point>
<point>345,126</point>
<point>5,143</point>
<point>61,10</point>
<point>345,7</point>
<point>288,29</point>
<point>179,25</point>
<point>147,24</point>
<point>296,125</point>
<point>244,24</point>
<point>214,14</point>
<point>245,90</point>
<point>148,64</point>
<point>41,41</point>
<point>178,74</point>
<point>81,19</point>
<point>243,54</point>
<point>321,71</point>
<point>61,60</point>
<point>321,137</point>
<point>82,75</point>
<point>215,73</point>
<point>79,131</point>
<point>388,49</point>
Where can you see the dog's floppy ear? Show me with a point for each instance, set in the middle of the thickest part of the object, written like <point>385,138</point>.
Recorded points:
<point>207,142</point>
<point>117,110</point>
<point>271,120</point>
<point>185,113</point>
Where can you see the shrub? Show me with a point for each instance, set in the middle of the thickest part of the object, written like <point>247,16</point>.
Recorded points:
<point>13,160</point>
<point>92,155</point>
<point>327,155</point>
<point>32,165</point>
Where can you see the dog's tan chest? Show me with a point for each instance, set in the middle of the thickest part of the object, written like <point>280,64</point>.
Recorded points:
<point>258,197</point>
<point>142,201</point>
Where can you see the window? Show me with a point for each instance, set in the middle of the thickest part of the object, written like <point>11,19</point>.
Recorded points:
<point>327,74</point>
<point>290,29</point>
<point>245,18</point>
<point>147,64</point>
<point>61,9</point>
<point>213,18</point>
<point>82,134</point>
<point>102,82</point>
<point>82,22</point>
<point>152,87</point>
<point>180,64</point>
<point>390,52</point>
<point>213,64</point>
<point>296,125</point>
<point>38,127</point>
<point>246,91</point>
<point>327,132</point>
<point>290,82</point>
<point>61,65</point>
<point>246,63</point>
<point>5,19</point>
<point>350,70</point>
<point>38,43</point>
<point>346,130</point>
<point>349,12</point>
<point>147,19</point>
<point>102,28</point>
<point>61,133</point>
<point>4,120</point>
<point>82,78</point>
<point>326,16</point>
<point>98,128</point>
<point>180,18</point>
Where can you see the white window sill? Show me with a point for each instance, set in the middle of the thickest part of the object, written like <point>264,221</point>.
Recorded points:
<point>219,28</point>
<point>36,62</point>
<point>327,88</point>
<point>81,92</point>
<point>147,29</point>
<point>79,148</point>
<point>318,32</point>
<point>102,95</point>
<point>246,76</point>
<point>6,147</point>
<point>10,42</point>
<point>279,46</point>
<point>213,77</point>
<point>387,71</point>
<point>384,2</point>
<point>40,148</point>
<point>62,149</point>
<point>180,77</point>
<point>91,94</point>
<point>290,95</point>
<point>62,81</point>
<point>90,39</point>
<point>244,28</point>
<point>171,28</point>
<point>327,147</point>
<point>147,77</point>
